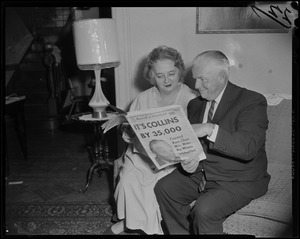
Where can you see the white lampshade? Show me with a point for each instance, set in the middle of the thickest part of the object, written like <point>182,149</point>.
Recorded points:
<point>96,44</point>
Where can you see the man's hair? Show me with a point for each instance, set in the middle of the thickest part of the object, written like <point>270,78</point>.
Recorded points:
<point>217,56</point>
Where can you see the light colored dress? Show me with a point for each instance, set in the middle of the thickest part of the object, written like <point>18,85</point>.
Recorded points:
<point>134,194</point>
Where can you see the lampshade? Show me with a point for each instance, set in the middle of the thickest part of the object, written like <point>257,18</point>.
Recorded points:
<point>96,45</point>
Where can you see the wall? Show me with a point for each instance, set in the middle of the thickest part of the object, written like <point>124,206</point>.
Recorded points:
<point>92,12</point>
<point>17,42</point>
<point>260,61</point>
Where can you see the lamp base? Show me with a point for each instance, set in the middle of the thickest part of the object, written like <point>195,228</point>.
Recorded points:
<point>98,101</point>
<point>99,115</point>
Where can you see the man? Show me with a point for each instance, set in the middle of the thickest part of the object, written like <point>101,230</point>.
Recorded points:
<point>233,135</point>
<point>164,152</point>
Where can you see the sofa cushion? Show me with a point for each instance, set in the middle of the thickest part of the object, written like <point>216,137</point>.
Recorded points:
<point>279,133</point>
<point>271,214</point>
<point>276,204</point>
<point>256,226</point>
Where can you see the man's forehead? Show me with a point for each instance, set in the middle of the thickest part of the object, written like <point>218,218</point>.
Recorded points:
<point>203,68</point>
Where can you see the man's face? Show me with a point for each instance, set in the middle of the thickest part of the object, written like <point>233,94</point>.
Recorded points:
<point>208,82</point>
<point>163,150</point>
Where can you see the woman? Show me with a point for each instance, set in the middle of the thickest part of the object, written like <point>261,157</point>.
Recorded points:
<point>137,208</point>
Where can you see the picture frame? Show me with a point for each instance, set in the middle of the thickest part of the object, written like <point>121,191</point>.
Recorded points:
<point>266,17</point>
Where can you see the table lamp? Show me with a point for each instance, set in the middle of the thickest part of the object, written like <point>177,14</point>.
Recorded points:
<point>96,48</point>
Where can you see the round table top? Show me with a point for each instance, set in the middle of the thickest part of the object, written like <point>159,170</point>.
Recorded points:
<point>87,117</point>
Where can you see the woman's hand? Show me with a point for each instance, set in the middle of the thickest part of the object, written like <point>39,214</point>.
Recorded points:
<point>190,164</point>
<point>127,133</point>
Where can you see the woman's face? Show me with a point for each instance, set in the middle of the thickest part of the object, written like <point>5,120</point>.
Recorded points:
<point>166,75</point>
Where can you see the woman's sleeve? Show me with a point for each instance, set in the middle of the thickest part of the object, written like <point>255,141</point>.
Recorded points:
<point>135,105</point>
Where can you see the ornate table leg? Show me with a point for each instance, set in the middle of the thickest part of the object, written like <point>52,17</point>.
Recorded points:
<point>99,155</point>
<point>89,177</point>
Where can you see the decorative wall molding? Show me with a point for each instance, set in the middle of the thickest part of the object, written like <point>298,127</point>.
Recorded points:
<point>123,73</point>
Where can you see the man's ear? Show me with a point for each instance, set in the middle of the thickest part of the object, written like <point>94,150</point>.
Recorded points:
<point>222,75</point>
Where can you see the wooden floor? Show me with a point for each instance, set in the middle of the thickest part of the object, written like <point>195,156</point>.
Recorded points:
<point>57,165</point>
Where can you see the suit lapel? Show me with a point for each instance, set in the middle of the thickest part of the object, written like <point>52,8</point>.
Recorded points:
<point>197,110</point>
<point>196,113</point>
<point>201,111</point>
<point>227,99</point>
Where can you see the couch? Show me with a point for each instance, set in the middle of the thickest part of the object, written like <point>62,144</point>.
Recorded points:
<point>271,214</point>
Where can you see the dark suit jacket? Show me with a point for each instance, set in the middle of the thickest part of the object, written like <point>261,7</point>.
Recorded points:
<point>238,153</point>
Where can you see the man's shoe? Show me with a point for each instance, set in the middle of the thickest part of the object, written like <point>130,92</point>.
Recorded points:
<point>108,231</point>
<point>133,232</point>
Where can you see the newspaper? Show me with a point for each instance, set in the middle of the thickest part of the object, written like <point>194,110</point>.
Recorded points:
<point>165,133</point>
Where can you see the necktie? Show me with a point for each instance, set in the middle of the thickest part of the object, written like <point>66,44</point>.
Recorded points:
<point>211,111</point>
<point>202,183</point>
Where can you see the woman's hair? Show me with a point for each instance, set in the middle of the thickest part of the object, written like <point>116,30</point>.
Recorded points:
<point>161,53</point>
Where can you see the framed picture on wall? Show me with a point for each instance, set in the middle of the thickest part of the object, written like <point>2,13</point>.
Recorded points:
<point>258,17</point>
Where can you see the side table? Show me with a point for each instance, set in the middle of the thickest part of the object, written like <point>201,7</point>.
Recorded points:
<point>99,151</point>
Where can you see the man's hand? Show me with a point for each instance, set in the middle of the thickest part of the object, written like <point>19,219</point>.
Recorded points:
<point>202,130</point>
<point>190,164</point>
